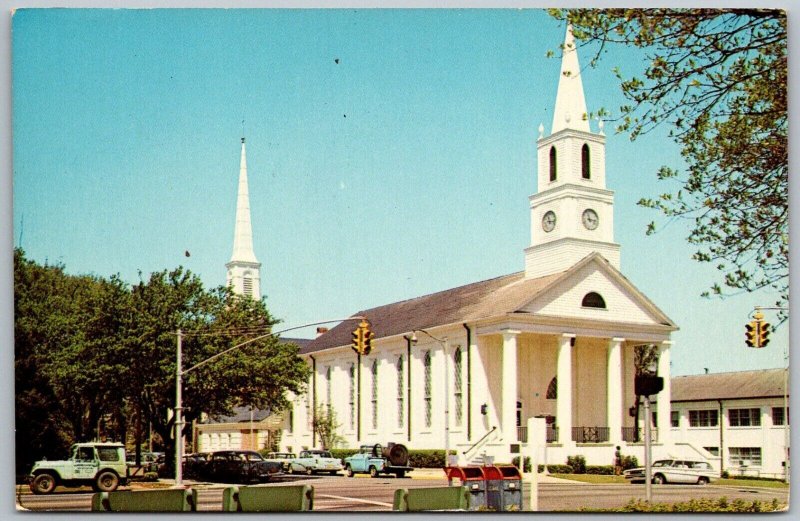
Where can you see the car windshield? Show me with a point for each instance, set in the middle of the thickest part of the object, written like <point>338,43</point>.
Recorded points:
<point>323,454</point>
<point>662,463</point>
<point>252,456</point>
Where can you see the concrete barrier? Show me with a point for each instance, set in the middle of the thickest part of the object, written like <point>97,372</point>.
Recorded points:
<point>167,500</point>
<point>437,498</point>
<point>295,498</point>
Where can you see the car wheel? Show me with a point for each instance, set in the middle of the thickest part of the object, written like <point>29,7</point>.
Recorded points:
<point>373,472</point>
<point>349,471</point>
<point>659,479</point>
<point>400,474</point>
<point>702,480</point>
<point>309,471</point>
<point>43,484</point>
<point>107,481</point>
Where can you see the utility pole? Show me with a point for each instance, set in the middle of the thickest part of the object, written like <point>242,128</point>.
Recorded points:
<point>648,472</point>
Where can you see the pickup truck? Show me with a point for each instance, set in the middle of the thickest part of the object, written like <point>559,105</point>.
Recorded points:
<point>314,461</point>
<point>376,460</point>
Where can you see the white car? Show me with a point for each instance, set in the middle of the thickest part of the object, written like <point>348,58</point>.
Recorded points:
<point>315,461</point>
<point>675,471</point>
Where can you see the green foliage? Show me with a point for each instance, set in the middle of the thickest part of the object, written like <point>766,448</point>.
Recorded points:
<point>578,464</point>
<point>629,462</point>
<point>89,349</point>
<point>326,425</point>
<point>718,78</point>
<point>725,474</point>
<point>558,469</point>
<point>703,505</point>
<point>603,470</point>
<point>433,458</point>
<point>343,453</point>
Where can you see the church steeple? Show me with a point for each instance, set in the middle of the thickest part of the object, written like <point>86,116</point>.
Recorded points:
<point>570,111</point>
<point>243,268</point>
<point>572,214</point>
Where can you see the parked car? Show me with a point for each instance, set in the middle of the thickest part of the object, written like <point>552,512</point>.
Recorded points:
<point>314,461</point>
<point>281,457</point>
<point>237,466</point>
<point>376,460</point>
<point>101,465</point>
<point>675,471</point>
<point>146,458</point>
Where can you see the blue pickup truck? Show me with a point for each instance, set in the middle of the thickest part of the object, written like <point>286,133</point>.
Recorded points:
<point>377,460</point>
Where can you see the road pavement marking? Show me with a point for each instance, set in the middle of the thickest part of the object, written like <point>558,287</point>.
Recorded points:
<point>356,500</point>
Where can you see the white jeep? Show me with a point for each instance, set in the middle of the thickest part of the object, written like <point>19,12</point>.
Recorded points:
<point>101,465</point>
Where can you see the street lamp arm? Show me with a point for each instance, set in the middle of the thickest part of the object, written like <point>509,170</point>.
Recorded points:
<point>430,335</point>
<point>273,333</point>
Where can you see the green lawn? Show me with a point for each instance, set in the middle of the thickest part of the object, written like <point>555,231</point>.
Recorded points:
<point>602,479</point>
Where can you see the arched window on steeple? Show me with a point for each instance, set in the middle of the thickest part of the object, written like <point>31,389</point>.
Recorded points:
<point>586,169</point>
<point>553,172</point>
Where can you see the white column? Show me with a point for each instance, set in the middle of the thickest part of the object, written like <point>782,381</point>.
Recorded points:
<point>614,397</point>
<point>564,389</point>
<point>664,397</point>
<point>508,416</point>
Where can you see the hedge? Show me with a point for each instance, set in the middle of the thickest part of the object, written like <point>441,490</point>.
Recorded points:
<point>554,469</point>
<point>697,505</point>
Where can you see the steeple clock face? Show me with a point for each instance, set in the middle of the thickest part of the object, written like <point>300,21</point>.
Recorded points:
<point>590,219</point>
<point>549,221</point>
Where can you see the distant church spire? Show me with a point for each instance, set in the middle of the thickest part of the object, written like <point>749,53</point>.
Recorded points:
<point>570,111</point>
<point>244,269</point>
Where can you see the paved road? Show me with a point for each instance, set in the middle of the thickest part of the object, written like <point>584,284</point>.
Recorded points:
<point>338,494</point>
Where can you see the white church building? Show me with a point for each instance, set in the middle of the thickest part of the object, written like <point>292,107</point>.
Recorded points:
<point>466,368</point>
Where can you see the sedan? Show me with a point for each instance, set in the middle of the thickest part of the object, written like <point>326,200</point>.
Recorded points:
<point>675,471</point>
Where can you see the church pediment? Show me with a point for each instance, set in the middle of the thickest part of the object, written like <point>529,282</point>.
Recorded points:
<point>594,290</point>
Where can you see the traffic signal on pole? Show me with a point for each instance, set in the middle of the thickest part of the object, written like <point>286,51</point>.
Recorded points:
<point>368,335</point>
<point>646,385</point>
<point>358,340</point>
<point>763,334</point>
<point>751,337</point>
<point>362,338</point>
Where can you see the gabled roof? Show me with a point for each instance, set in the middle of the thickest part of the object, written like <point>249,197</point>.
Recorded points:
<point>489,298</point>
<point>465,303</point>
<point>728,386</point>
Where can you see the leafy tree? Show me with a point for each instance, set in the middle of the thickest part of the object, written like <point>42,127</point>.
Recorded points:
<point>326,425</point>
<point>257,374</point>
<point>718,78</point>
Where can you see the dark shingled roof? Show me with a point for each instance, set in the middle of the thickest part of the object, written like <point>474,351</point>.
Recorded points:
<point>474,301</point>
<point>726,386</point>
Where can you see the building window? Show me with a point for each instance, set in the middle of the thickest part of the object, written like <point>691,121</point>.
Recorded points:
<point>352,396</point>
<point>374,394</point>
<point>744,417</point>
<point>704,418</point>
<point>593,300</point>
<point>777,416</point>
<point>328,386</point>
<point>744,456</point>
<point>458,388</point>
<point>553,173</point>
<point>427,388</point>
<point>713,450</point>
<point>552,389</point>
<point>400,391</point>
<point>675,418</point>
<point>247,286</point>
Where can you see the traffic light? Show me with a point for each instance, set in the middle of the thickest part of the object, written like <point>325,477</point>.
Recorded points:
<point>646,385</point>
<point>763,334</point>
<point>751,334</point>
<point>368,335</point>
<point>358,340</point>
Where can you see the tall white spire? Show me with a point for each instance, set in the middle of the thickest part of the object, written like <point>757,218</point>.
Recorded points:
<point>570,111</point>
<point>243,268</point>
<point>243,233</point>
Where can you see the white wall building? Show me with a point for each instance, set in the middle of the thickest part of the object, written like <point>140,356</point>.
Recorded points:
<point>738,418</point>
<point>555,340</point>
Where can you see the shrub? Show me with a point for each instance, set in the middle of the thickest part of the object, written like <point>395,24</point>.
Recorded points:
<point>343,453</point>
<point>725,474</point>
<point>557,469</point>
<point>629,462</point>
<point>578,464</point>
<point>515,462</point>
<point>605,470</point>
<point>431,458</point>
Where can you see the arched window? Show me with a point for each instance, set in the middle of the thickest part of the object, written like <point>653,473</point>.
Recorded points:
<point>553,173</point>
<point>552,389</point>
<point>593,300</point>
<point>374,394</point>
<point>459,386</point>
<point>352,396</point>
<point>586,169</point>
<point>400,391</point>
<point>427,388</point>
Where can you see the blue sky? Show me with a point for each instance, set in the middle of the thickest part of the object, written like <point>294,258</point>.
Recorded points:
<point>402,170</point>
